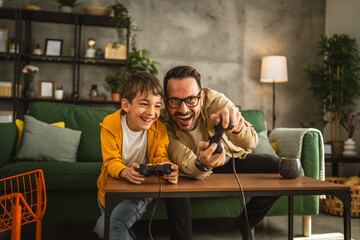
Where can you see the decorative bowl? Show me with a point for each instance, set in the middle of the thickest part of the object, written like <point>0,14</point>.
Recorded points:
<point>290,167</point>
<point>32,7</point>
<point>97,10</point>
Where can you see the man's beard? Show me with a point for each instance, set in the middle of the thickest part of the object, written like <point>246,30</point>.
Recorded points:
<point>192,124</point>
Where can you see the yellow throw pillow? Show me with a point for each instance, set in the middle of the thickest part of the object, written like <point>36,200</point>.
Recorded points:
<point>20,127</point>
<point>274,145</point>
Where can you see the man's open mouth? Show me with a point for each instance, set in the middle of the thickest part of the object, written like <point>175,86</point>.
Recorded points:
<point>184,119</point>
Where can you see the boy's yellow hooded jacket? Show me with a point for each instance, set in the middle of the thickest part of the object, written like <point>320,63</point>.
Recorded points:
<point>111,143</point>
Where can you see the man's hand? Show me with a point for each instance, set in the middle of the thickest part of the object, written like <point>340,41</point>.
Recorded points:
<point>226,115</point>
<point>174,175</point>
<point>131,175</point>
<point>207,157</point>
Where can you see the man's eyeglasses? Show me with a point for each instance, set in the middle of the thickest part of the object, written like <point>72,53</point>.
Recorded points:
<point>191,101</point>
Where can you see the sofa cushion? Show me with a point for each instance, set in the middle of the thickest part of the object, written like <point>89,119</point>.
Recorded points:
<point>264,146</point>
<point>20,127</point>
<point>85,119</point>
<point>8,135</point>
<point>44,142</point>
<point>60,176</point>
<point>256,118</point>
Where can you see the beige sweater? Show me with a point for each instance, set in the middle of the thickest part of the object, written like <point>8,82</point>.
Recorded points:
<point>182,147</point>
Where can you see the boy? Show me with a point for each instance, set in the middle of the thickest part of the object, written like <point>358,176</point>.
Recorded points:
<point>131,136</point>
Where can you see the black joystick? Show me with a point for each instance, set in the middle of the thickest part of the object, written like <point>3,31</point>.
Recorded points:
<point>219,131</point>
<point>148,170</point>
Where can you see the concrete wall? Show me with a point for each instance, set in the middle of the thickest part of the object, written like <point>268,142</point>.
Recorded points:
<point>224,40</point>
<point>343,17</point>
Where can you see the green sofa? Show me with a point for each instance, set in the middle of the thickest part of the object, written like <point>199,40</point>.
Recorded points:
<point>71,187</point>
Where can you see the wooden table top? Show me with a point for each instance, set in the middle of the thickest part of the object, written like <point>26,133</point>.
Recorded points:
<point>224,183</point>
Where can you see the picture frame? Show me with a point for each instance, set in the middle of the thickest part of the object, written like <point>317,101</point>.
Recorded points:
<point>53,47</point>
<point>118,53</point>
<point>46,89</point>
<point>3,39</point>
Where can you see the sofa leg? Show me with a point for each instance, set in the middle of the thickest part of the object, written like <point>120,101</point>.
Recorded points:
<point>306,223</point>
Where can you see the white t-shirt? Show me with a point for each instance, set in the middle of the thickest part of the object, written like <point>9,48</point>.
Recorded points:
<point>134,144</point>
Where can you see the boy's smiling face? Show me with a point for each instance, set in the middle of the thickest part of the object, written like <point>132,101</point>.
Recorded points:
<point>143,111</point>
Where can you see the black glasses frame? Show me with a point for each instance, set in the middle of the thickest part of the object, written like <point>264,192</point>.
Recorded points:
<point>184,100</point>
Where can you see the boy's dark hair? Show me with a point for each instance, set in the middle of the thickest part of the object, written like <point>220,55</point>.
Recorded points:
<point>140,81</point>
<point>180,72</point>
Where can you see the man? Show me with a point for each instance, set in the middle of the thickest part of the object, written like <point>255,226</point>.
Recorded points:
<point>190,116</point>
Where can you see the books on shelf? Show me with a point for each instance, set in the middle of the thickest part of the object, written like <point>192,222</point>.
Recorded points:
<point>5,89</point>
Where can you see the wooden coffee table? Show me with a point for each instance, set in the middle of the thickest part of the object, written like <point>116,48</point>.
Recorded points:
<point>225,185</point>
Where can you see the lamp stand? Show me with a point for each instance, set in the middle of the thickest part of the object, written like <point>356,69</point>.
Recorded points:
<point>274,114</point>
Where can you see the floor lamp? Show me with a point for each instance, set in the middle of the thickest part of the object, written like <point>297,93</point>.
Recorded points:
<point>273,70</point>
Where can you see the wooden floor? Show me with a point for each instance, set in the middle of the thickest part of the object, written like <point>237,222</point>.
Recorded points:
<point>270,228</point>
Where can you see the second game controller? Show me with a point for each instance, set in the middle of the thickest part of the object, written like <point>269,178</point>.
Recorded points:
<point>148,170</point>
<point>219,131</point>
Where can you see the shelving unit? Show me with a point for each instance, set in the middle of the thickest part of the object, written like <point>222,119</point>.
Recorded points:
<point>22,25</point>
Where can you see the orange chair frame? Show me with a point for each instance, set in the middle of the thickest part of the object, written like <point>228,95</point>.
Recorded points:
<point>22,201</point>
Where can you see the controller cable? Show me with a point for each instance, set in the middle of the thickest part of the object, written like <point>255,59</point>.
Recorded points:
<point>157,201</point>
<point>241,189</point>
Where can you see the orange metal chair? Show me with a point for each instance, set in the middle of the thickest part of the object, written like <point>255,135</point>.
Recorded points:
<point>22,201</point>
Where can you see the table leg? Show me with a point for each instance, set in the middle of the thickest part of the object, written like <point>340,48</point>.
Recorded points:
<point>108,210</point>
<point>345,197</point>
<point>107,226</point>
<point>291,218</point>
<point>335,169</point>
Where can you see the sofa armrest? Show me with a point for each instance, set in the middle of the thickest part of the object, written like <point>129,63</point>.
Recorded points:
<point>303,143</point>
<point>8,138</point>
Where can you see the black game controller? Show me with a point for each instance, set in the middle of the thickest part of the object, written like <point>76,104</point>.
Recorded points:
<point>148,170</point>
<point>219,131</point>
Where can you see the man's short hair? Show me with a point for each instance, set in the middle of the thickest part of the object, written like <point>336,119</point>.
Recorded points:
<point>181,72</point>
<point>141,82</point>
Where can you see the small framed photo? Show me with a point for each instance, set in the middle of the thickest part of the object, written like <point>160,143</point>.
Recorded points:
<point>3,39</point>
<point>53,47</point>
<point>46,89</point>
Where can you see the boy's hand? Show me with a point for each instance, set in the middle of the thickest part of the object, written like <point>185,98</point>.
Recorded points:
<point>131,175</point>
<point>174,175</point>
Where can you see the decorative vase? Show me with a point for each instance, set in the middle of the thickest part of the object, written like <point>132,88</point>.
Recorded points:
<point>349,148</point>
<point>30,88</point>
<point>66,9</point>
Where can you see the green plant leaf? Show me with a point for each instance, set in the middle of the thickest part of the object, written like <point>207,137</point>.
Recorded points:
<point>335,81</point>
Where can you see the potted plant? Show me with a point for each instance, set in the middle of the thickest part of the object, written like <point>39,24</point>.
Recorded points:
<point>335,82</point>
<point>67,5</point>
<point>113,84</point>
<point>37,50</point>
<point>59,92</point>
<point>121,19</point>
<point>138,61</point>
<point>30,71</point>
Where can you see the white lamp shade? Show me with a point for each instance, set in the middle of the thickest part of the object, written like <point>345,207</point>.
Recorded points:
<point>273,69</point>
